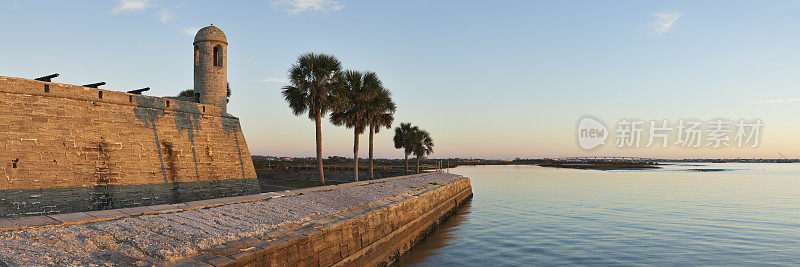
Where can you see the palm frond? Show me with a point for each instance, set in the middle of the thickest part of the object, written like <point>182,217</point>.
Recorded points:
<point>312,79</point>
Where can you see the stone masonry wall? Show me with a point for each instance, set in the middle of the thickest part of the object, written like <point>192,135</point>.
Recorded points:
<point>374,235</point>
<point>64,136</point>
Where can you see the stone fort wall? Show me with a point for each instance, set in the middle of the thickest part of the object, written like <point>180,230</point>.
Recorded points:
<point>66,148</point>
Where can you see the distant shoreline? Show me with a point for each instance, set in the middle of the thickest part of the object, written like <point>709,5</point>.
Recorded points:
<point>593,160</point>
<point>603,165</point>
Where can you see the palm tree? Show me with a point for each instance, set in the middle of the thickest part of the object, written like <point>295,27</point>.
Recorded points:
<point>380,112</point>
<point>402,140</point>
<point>313,79</point>
<point>350,108</point>
<point>421,144</point>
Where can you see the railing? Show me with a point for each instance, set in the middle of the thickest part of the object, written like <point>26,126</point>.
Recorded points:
<point>345,167</point>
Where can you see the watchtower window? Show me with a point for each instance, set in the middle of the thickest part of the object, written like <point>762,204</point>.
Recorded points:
<point>196,56</point>
<point>218,56</point>
<point>100,94</point>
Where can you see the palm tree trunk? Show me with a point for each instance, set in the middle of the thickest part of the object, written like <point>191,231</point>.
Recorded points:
<point>417,164</point>
<point>371,133</point>
<point>355,152</point>
<point>319,148</point>
<point>406,168</point>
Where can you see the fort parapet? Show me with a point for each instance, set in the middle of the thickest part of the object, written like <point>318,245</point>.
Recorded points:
<point>67,148</point>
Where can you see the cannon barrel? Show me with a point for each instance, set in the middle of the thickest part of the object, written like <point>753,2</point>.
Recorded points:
<point>139,91</point>
<point>47,78</point>
<point>94,85</point>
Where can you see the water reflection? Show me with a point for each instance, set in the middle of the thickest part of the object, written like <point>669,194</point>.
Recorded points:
<point>443,236</point>
<point>529,216</point>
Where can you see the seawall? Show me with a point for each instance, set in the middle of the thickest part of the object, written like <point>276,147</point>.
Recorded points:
<point>366,223</point>
<point>66,148</point>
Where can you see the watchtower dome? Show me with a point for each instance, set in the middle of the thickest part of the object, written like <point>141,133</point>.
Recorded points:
<point>210,66</point>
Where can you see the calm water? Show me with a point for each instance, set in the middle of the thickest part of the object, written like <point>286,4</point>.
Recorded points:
<point>528,215</point>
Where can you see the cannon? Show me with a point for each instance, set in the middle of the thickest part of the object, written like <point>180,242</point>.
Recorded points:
<point>94,85</point>
<point>47,78</point>
<point>139,91</point>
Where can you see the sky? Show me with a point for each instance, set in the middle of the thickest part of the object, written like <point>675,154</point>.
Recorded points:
<point>487,79</point>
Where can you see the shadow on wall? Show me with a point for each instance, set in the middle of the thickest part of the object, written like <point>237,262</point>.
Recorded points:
<point>45,201</point>
<point>187,115</point>
<point>148,109</point>
<point>229,124</point>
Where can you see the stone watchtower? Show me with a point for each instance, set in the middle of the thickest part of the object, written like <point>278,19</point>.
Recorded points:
<point>210,66</point>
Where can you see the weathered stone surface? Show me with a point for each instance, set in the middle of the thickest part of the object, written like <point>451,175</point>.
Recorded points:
<point>211,66</point>
<point>68,150</point>
<point>72,217</point>
<point>316,228</point>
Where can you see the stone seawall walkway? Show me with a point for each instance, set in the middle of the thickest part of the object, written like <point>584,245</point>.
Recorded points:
<point>169,233</point>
